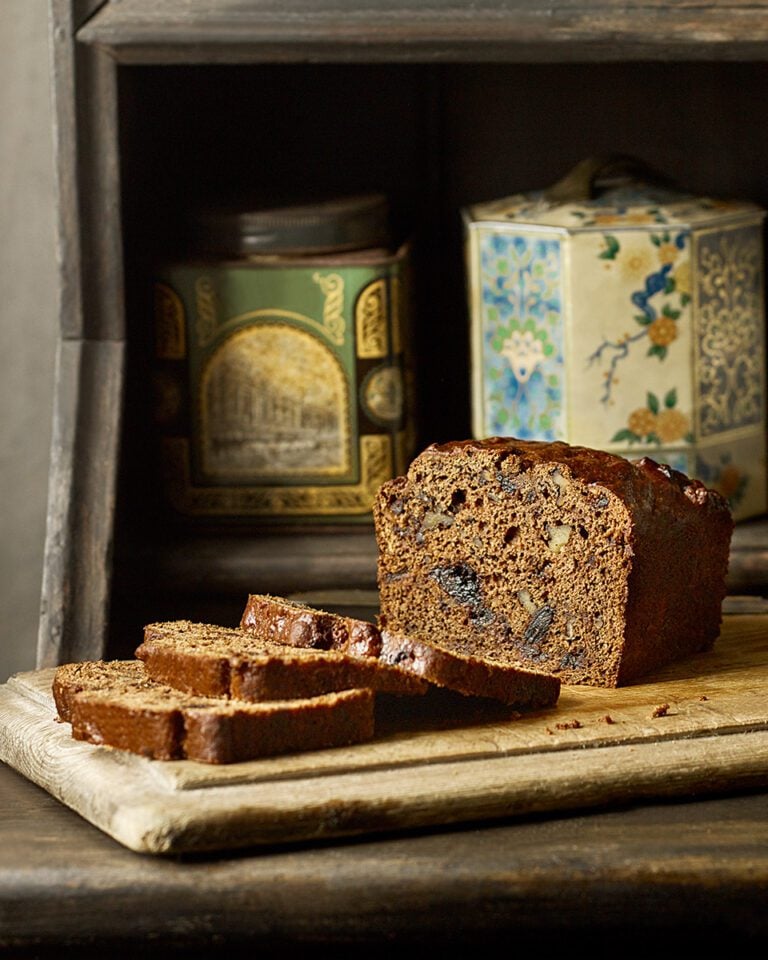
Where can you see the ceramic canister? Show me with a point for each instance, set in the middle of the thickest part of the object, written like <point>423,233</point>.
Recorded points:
<point>617,312</point>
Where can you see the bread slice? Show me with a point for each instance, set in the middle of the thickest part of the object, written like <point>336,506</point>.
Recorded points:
<point>215,661</point>
<point>516,687</point>
<point>115,703</point>
<point>288,622</point>
<point>294,624</point>
<point>573,561</point>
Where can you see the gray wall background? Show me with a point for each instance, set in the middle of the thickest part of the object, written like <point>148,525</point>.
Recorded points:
<point>28,321</point>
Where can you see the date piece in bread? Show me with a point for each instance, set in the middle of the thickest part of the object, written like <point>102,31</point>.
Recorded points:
<point>573,561</point>
<point>288,622</point>
<point>214,661</point>
<point>115,703</point>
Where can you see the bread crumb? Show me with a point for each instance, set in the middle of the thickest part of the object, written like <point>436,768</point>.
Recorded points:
<point>607,719</point>
<point>569,725</point>
<point>702,697</point>
<point>661,711</point>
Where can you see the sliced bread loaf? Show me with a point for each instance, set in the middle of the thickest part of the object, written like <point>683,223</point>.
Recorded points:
<point>115,703</point>
<point>215,661</point>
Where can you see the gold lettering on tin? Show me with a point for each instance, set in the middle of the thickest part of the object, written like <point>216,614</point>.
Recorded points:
<point>371,321</point>
<point>332,287</point>
<point>205,302</point>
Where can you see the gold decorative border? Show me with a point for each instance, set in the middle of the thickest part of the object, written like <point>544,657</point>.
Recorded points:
<point>170,323</point>
<point>335,332</point>
<point>276,501</point>
<point>372,311</point>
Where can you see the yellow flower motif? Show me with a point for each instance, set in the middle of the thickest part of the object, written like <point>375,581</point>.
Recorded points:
<point>607,219</point>
<point>662,331</point>
<point>642,421</point>
<point>623,219</point>
<point>635,218</point>
<point>683,277</point>
<point>667,253</point>
<point>671,425</point>
<point>637,263</point>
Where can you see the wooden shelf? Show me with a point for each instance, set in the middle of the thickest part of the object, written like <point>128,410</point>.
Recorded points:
<point>209,31</point>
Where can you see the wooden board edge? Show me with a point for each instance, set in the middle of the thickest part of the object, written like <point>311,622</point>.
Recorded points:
<point>141,815</point>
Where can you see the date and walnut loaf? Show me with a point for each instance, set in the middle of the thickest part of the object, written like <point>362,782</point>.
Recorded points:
<point>570,560</point>
<point>280,620</point>
<point>215,661</point>
<point>115,703</point>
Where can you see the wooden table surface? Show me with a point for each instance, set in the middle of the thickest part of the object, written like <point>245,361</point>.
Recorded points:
<point>692,872</point>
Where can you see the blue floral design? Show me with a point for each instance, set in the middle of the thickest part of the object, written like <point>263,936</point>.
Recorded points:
<point>522,336</point>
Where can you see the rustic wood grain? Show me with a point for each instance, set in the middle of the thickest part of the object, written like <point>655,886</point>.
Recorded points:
<point>75,592</point>
<point>698,726</point>
<point>140,31</point>
<point>89,372</point>
<point>683,873</point>
<point>87,180</point>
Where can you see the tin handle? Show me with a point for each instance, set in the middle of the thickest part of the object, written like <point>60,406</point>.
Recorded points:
<point>592,176</point>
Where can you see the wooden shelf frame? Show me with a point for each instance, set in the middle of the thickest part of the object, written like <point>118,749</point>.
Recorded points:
<point>209,31</point>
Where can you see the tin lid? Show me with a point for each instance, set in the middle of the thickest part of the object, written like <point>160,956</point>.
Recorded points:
<point>616,191</point>
<point>328,226</point>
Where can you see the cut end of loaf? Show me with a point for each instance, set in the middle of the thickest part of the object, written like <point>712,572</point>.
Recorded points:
<point>575,562</point>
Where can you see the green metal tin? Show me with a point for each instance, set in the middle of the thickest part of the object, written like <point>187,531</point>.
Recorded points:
<point>281,383</point>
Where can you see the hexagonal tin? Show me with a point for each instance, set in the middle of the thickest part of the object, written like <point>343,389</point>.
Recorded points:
<point>631,321</point>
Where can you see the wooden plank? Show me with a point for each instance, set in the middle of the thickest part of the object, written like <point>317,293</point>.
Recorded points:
<point>87,179</point>
<point>696,867</point>
<point>227,30</point>
<point>81,501</point>
<point>597,747</point>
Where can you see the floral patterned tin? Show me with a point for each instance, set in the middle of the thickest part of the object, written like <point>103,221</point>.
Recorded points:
<point>625,315</point>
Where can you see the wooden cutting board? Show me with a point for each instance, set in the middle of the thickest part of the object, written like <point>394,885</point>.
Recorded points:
<point>697,727</point>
